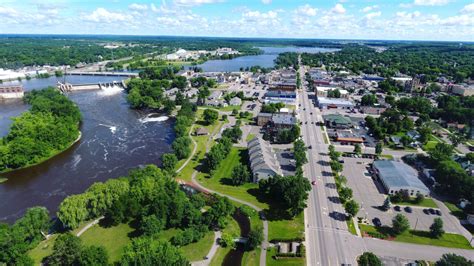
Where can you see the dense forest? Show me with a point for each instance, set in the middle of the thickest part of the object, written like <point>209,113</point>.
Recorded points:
<point>430,59</point>
<point>50,126</point>
<point>29,50</point>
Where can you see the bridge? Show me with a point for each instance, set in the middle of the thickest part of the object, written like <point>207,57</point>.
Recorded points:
<point>90,73</point>
<point>68,87</point>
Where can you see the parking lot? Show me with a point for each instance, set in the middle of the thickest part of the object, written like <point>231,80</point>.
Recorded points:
<point>287,161</point>
<point>370,195</point>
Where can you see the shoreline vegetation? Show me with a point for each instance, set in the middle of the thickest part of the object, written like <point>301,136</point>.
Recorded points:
<point>49,128</point>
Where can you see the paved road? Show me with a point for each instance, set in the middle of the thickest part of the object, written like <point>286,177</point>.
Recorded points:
<point>327,239</point>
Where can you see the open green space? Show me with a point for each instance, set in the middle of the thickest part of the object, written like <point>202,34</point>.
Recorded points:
<point>420,237</point>
<point>387,156</point>
<point>426,202</point>
<point>455,210</point>
<point>113,239</point>
<point>232,229</point>
<point>286,229</point>
<point>351,227</point>
<point>271,260</point>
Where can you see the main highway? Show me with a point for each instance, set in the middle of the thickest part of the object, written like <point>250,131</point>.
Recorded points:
<point>327,238</point>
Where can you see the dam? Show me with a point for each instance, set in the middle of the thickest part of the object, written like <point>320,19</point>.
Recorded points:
<point>68,87</point>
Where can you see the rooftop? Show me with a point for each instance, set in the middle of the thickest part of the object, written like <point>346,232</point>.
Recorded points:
<point>324,100</point>
<point>398,174</point>
<point>337,119</point>
<point>284,119</point>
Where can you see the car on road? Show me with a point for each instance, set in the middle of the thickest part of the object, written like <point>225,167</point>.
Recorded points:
<point>313,182</point>
<point>438,212</point>
<point>304,109</point>
<point>311,113</point>
<point>408,209</point>
<point>377,222</point>
<point>397,208</point>
<point>310,147</point>
<point>306,122</point>
<point>262,216</point>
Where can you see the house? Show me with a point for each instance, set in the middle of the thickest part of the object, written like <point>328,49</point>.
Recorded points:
<point>263,161</point>
<point>413,134</point>
<point>235,101</point>
<point>337,121</point>
<point>397,176</point>
<point>202,131</point>
<point>396,141</point>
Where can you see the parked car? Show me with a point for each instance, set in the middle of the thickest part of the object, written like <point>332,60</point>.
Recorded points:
<point>397,208</point>
<point>426,211</point>
<point>438,212</point>
<point>377,222</point>
<point>432,211</point>
<point>408,209</point>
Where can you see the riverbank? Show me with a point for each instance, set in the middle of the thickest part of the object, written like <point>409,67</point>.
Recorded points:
<point>54,154</point>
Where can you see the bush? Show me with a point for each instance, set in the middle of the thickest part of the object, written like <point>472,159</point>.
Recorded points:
<point>369,259</point>
<point>400,224</point>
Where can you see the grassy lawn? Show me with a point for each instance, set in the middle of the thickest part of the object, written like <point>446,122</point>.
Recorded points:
<point>220,180</point>
<point>251,258</point>
<point>197,251</point>
<point>282,262</point>
<point>422,237</point>
<point>249,137</point>
<point>431,143</point>
<point>286,229</point>
<point>427,202</point>
<point>351,227</point>
<point>455,210</point>
<point>387,156</point>
<point>113,239</point>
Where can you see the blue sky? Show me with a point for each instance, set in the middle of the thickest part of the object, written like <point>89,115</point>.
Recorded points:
<point>451,20</point>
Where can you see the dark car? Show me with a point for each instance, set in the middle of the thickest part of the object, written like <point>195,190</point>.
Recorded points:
<point>304,109</point>
<point>377,222</point>
<point>438,212</point>
<point>313,182</point>
<point>310,147</point>
<point>397,208</point>
<point>432,211</point>
<point>408,209</point>
<point>426,211</point>
<point>311,113</point>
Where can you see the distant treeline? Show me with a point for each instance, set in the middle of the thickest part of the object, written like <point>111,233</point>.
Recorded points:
<point>50,126</point>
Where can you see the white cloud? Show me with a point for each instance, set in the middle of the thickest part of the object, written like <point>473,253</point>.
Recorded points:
<point>266,2</point>
<point>102,15</point>
<point>254,15</point>
<point>373,15</point>
<point>462,20</point>
<point>306,10</point>
<point>369,8</point>
<point>431,2</point>
<point>196,2</point>
<point>9,12</point>
<point>338,9</point>
<point>468,8</point>
<point>138,7</point>
<point>405,5</point>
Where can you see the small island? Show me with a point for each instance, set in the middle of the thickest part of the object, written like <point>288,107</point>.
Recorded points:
<point>50,127</point>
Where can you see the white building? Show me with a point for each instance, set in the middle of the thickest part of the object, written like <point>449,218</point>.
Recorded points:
<point>323,92</point>
<point>263,161</point>
<point>463,90</point>
<point>11,92</point>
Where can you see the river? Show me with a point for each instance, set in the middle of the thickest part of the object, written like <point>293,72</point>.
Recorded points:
<point>114,140</point>
<point>264,60</point>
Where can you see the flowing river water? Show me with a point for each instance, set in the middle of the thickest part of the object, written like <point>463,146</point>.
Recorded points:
<point>114,140</point>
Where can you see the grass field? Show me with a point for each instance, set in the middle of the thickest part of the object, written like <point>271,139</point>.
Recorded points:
<point>271,261</point>
<point>113,239</point>
<point>422,237</point>
<point>351,227</point>
<point>387,156</point>
<point>286,229</point>
<point>455,210</point>
<point>233,229</point>
<point>427,202</point>
<point>431,143</point>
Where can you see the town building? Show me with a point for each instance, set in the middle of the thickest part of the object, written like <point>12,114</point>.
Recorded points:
<point>280,121</point>
<point>333,103</point>
<point>264,118</point>
<point>347,137</point>
<point>371,110</point>
<point>397,176</point>
<point>235,101</point>
<point>11,92</point>
<point>202,131</point>
<point>323,92</point>
<point>284,80</point>
<point>337,121</point>
<point>263,161</point>
<point>278,96</point>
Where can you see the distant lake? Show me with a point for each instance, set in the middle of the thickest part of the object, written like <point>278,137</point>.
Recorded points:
<point>264,60</point>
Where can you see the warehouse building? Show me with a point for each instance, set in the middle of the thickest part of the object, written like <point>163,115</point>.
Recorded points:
<point>397,176</point>
<point>263,161</point>
<point>333,103</point>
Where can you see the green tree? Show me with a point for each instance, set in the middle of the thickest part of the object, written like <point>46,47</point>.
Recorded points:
<point>453,259</point>
<point>210,116</point>
<point>386,204</point>
<point>227,240</point>
<point>419,198</point>
<point>405,140</point>
<point>357,148</point>
<point>441,152</point>
<point>352,208</point>
<point>169,161</point>
<point>240,175</point>
<point>436,229</point>
<point>345,194</point>
<point>146,251</point>
<point>368,100</point>
<point>66,250</point>
<point>378,148</point>
<point>151,226</point>
<point>181,147</point>
<point>255,238</point>
<point>93,255</point>
<point>400,224</point>
<point>369,259</point>
<point>203,93</point>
